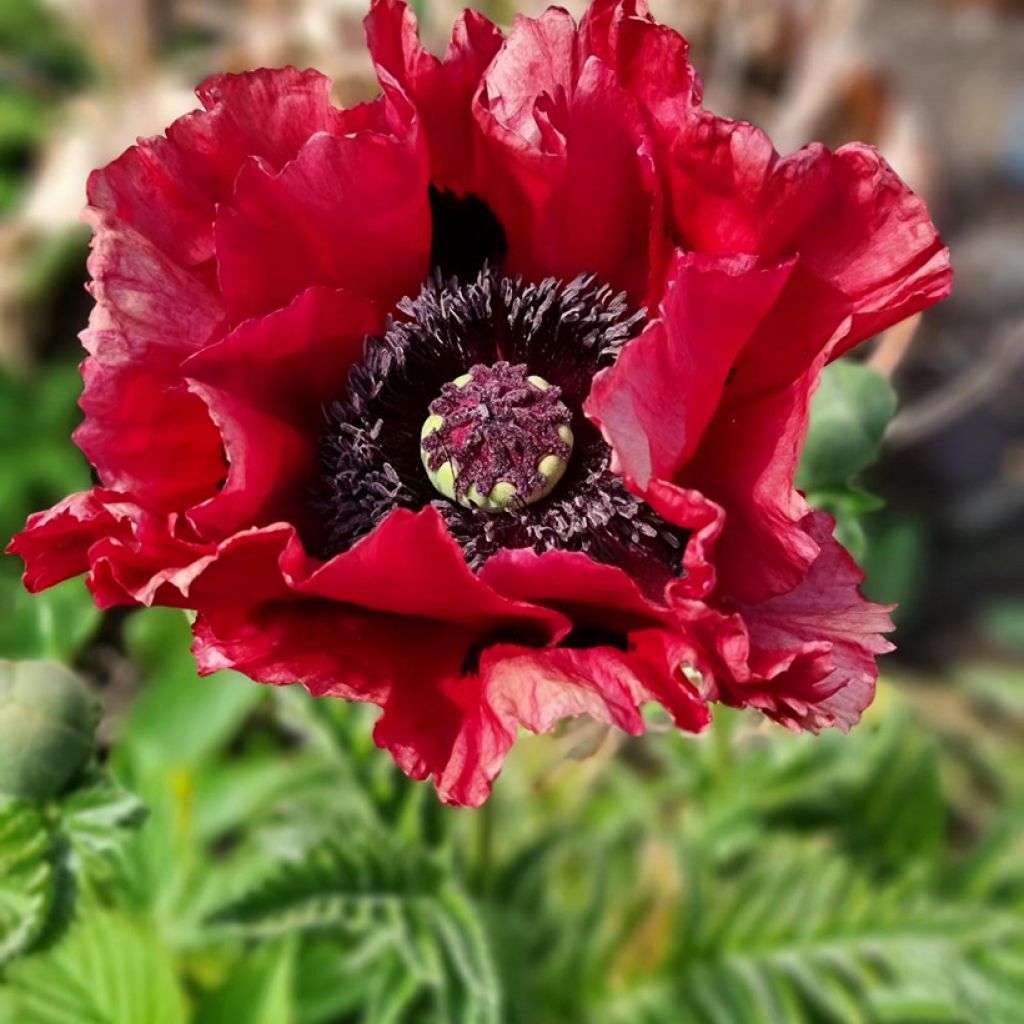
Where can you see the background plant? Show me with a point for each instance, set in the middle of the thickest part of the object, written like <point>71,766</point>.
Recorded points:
<point>234,853</point>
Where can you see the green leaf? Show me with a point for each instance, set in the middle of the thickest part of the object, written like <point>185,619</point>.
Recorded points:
<point>415,935</point>
<point>341,883</point>
<point>180,718</point>
<point>798,934</point>
<point>849,416</point>
<point>110,969</point>
<point>97,818</point>
<point>28,875</point>
<point>259,990</point>
<point>54,625</point>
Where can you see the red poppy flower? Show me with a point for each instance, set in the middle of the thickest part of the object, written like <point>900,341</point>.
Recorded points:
<point>483,401</point>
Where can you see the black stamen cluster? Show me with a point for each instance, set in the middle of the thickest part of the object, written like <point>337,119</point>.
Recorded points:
<point>565,333</point>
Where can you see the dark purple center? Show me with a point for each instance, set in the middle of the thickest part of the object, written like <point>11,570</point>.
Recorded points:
<point>497,438</point>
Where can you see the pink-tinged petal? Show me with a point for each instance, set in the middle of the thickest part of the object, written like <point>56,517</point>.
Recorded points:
<point>532,688</point>
<point>827,606</point>
<point>538,689</point>
<point>540,58</point>
<point>294,360</point>
<point>167,188</point>
<point>442,90</point>
<point>143,431</point>
<point>147,309</point>
<point>654,405</point>
<point>348,212</point>
<point>805,658</point>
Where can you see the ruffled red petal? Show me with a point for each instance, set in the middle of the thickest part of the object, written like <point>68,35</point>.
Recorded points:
<point>441,89</point>
<point>805,658</point>
<point>654,405</point>
<point>347,212</point>
<point>141,421</point>
<point>565,160</point>
<point>167,188</point>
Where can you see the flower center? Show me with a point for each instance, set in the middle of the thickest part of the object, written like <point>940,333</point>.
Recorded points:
<point>496,438</point>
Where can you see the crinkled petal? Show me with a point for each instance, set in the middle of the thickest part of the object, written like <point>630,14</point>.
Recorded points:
<point>167,188</point>
<point>655,403</point>
<point>854,224</point>
<point>651,61</point>
<point>348,212</point>
<point>441,89</point>
<point>132,556</point>
<point>746,463</point>
<point>566,161</point>
<point>143,431</point>
<point>805,658</point>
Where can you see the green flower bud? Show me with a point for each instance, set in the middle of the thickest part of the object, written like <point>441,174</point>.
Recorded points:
<point>47,722</point>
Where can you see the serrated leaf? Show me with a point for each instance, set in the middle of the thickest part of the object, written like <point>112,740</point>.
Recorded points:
<point>414,934</point>
<point>28,875</point>
<point>796,919</point>
<point>97,818</point>
<point>338,884</point>
<point>110,969</point>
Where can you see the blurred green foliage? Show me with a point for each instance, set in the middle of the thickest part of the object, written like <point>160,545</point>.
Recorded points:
<point>287,873</point>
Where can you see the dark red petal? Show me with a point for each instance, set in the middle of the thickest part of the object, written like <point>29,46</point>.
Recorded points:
<point>856,226</point>
<point>410,565</point>
<point>566,162</point>
<point>148,437</point>
<point>131,555</point>
<point>348,212</point>
<point>442,90</point>
<point>592,593</point>
<point>271,468</point>
<point>746,463</point>
<point>54,545</point>
<point>654,405</point>
<point>167,188</point>
<point>294,360</point>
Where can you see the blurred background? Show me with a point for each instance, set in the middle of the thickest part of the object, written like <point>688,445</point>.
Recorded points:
<point>744,876</point>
